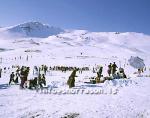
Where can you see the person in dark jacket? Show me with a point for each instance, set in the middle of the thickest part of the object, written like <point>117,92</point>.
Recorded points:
<point>109,69</point>
<point>0,72</point>
<point>12,75</point>
<point>100,72</point>
<point>24,75</point>
<point>45,69</point>
<point>17,76</point>
<point>33,83</point>
<point>71,80</point>
<point>114,68</point>
<point>41,80</point>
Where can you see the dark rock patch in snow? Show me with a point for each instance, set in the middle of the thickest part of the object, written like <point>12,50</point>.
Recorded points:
<point>71,115</point>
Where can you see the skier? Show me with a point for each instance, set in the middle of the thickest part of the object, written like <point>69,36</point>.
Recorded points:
<point>139,71</point>
<point>93,70</point>
<point>97,79</point>
<point>109,69</point>
<point>100,72</point>
<point>27,58</point>
<point>45,69</point>
<point>0,72</point>
<point>71,80</point>
<point>114,67</point>
<point>44,79</point>
<point>41,80</point>
<point>35,70</point>
<point>17,76</point>
<point>12,75</point>
<point>23,75</point>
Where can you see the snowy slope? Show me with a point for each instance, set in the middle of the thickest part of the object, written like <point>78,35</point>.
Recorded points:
<point>93,45</point>
<point>74,42</point>
<point>52,46</point>
<point>130,43</point>
<point>131,101</point>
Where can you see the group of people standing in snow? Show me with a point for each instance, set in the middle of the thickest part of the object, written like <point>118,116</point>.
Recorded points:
<point>38,75</point>
<point>23,74</point>
<point>39,80</point>
<point>112,73</point>
<point>112,68</point>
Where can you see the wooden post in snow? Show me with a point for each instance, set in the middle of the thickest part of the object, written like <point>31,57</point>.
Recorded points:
<point>1,60</point>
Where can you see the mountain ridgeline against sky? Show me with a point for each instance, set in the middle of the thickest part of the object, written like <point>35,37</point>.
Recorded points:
<point>33,34</point>
<point>35,29</point>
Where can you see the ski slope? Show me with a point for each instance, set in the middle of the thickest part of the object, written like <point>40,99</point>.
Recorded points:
<point>130,99</point>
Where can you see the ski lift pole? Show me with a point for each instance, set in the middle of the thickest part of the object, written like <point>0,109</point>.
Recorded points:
<point>120,63</point>
<point>1,60</point>
<point>125,62</point>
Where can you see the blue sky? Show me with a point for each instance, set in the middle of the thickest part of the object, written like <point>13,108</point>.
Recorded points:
<point>92,15</point>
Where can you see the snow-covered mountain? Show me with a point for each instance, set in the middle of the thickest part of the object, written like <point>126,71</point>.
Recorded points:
<point>73,42</point>
<point>33,44</point>
<point>34,29</point>
<point>107,42</point>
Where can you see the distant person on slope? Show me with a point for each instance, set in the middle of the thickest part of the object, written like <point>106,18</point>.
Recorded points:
<point>11,78</point>
<point>100,72</point>
<point>109,69</point>
<point>114,68</point>
<point>0,72</point>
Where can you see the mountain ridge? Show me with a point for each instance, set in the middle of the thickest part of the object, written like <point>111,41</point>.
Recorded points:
<point>131,43</point>
<point>33,29</point>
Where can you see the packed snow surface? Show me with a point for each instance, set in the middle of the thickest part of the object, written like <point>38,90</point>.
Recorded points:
<point>122,98</point>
